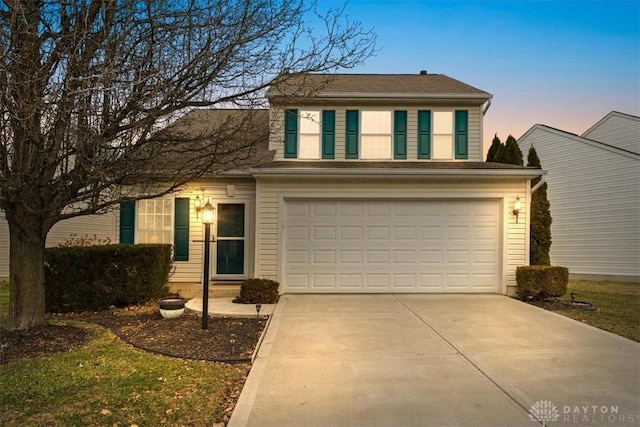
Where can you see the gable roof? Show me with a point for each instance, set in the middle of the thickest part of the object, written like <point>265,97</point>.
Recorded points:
<point>580,139</point>
<point>617,129</point>
<point>220,140</point>
<point>375,86</point>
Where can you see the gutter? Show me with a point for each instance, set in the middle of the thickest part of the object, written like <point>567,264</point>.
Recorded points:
<point>486,107</point>
<point>309,172</point>
<point>538,185</point>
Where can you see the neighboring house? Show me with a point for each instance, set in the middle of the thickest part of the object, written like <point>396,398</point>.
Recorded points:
<point>594,191</point>
<point>361,183</point>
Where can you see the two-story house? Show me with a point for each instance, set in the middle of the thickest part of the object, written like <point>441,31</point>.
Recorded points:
<point>362,183</point>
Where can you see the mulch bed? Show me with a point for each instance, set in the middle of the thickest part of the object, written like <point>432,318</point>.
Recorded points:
<point>143,327</point>
<point>556,304</point>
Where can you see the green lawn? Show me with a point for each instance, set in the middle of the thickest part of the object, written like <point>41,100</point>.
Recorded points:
<point>111,383</point>
<point>617,303</point>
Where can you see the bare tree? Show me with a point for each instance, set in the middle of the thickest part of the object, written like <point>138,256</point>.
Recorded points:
<point>85,85</point>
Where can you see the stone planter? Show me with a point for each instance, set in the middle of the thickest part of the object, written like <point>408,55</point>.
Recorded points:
<point>171,308</point>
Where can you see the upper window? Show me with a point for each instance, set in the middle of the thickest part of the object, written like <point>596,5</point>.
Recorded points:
<point>442,135</point>
<point>309,134</point>
<point>155,221</point>
<point>375,135</point>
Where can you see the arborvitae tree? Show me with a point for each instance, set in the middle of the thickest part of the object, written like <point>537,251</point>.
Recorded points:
<point>540,235</point>
<point>493,150</point>
<point>511,153</point>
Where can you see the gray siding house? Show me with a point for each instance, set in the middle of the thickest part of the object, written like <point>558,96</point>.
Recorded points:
<point>594,191</point>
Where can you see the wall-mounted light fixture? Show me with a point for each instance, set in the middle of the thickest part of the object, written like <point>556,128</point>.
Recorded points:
<point>517,206</point>
<point>197,205</point>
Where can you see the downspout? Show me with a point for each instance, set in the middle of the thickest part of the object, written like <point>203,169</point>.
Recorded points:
<point>486,107</point>
<point>538,185</point>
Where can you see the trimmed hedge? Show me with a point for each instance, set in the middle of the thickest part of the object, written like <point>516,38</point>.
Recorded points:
<point>254,291</point>
<point>541,281</point>
<point>81,278</point>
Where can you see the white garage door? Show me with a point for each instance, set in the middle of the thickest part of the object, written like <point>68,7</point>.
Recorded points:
<point>391,246</point>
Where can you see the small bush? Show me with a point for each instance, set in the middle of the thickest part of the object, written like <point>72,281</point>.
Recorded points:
<point>541,281</point>
<point>84,240</point>
<point>254,291</point>
<point>79,278</point>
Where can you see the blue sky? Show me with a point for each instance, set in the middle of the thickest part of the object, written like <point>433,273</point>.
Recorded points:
<point>565,64</point>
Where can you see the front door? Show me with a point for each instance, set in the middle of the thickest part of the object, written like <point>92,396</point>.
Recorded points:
<point>230,240</point>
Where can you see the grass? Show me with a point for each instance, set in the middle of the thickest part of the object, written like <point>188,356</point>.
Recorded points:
<point>617,303</point>
<point>110,383</point>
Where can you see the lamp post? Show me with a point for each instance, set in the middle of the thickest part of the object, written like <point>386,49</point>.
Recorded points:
<point>207,220</point>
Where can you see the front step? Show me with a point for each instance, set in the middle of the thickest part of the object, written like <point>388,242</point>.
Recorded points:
<point>194,290</point>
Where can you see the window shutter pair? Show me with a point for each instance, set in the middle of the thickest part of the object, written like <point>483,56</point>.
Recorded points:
<point>291,134</point>
<point>460,134</point>
<point>180,224</point>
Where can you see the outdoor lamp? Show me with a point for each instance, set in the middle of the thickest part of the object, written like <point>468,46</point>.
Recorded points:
<point>197,205</point>
<point>207,213</point>
<point>517,205</point>
<point>207,220</point>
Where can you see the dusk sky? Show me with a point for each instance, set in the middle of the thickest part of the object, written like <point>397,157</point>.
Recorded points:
<point>565,64</point>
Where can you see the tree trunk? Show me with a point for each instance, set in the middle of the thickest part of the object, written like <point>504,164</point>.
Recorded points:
<point>26,272</point>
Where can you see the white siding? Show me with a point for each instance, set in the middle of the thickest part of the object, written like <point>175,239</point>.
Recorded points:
<point>617,129</point>
<point>276,138</point>
<point>191,271</point>
<point>272,192</point>
<point>102,226</point>
<point>595,203</point>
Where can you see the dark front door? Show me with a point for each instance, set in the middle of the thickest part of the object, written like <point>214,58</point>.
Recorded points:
<point>230,240</point>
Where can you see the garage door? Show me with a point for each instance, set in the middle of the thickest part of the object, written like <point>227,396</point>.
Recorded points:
<point>391,246</point>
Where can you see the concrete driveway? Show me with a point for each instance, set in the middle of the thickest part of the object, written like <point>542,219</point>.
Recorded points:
<point>436,360</point>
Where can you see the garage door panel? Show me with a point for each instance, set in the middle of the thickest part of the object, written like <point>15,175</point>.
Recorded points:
<point>391,246</point>
<point>431,232</point>
<point>404,233</point>
<point>351,233</point>
<point>324,233</point>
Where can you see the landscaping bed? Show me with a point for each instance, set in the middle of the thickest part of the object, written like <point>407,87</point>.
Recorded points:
<point>142,326</point>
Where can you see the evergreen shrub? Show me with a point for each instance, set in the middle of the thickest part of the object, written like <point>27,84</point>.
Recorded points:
<point>254,291</point>
<point>80,278</point>
<point>541,281</point>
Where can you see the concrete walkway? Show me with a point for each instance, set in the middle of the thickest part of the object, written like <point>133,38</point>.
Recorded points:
<point>436,360</point>
<point>225,307</point>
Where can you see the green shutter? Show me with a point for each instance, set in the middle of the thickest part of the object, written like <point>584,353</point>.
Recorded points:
<point>462,134</point>
<point>181,230</point>
<point>400,135</point>
<point>291,134</point>
<point>127,222</point>
<point>351,137</point>
<point>424,134</point>
<point>328,134</point>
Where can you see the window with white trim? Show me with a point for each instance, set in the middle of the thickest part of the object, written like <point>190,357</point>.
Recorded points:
<point>155,221</point>
<point>442,135</point>
<point>375,135</point>
<point>309,134</point>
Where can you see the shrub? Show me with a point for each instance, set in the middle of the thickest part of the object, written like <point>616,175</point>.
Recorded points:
<point>540,236</point>
<point>81,278</point>
<point>254,291</point>
<point>541,281</point>
<point>84,240</point>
